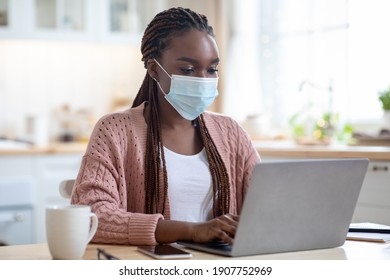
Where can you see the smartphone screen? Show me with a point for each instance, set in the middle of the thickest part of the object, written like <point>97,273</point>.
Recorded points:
<point>164,251</point>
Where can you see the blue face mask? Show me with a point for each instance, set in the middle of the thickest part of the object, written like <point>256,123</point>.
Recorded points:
<point>190,96</point>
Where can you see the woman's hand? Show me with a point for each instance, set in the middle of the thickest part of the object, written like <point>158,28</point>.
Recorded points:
<point>221,228</point>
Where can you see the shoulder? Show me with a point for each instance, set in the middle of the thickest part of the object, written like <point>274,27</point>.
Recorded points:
<point>125,117</point>
<point>129,121</point>
<point>113,131</point>
<point>224,129</point>
<point>229,137</point>
<point>221,122</point>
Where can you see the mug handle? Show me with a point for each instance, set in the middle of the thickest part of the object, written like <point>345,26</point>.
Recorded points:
<point>94,226</point>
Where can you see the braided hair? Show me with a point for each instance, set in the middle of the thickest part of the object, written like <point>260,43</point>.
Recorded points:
<point>165,26</point>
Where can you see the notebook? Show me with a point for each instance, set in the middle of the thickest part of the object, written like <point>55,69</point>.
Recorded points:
<point>371,232</point>
<point>293,206</point>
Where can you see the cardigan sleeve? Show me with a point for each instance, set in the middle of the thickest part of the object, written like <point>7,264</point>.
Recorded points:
<point>102,185</point>
<point>96,186</point>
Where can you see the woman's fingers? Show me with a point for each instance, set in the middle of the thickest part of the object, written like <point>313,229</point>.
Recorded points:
<point>223,236</point>
<point>231,217</point>
<point>229,225</point>
<point>223,228</point>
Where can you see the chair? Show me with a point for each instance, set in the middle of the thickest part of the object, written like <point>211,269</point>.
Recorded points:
<point>66,188</point>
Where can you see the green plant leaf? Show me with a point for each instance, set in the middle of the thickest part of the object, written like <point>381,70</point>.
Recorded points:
<point>384,97</point>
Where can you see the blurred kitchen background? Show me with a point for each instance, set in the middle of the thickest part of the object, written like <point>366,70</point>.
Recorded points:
<point>309,71</point>
<point>65,63</point>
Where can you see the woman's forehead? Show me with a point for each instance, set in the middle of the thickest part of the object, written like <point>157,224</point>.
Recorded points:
<point>194,44</point>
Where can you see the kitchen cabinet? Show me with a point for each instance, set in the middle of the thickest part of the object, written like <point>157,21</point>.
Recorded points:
<point>49,19</point>
<point>374,200</point>
<point>60,14</point>
<point>50,171</point>
<point>126,20</point>
<point>61,19</point>
<point>44,172</point>
<point>4,13</point>
<point>7,13</point>
<point>16,211</point>
<point>119,21</point>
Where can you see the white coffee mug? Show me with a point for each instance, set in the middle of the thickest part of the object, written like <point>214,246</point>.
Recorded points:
<point>69,230</point>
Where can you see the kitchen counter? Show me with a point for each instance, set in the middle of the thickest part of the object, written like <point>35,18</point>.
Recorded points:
<point>291,149</point>
<point>52,148</point>
<point>265,148</point>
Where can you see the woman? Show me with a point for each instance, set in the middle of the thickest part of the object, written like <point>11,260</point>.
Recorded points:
<point>165,170</point>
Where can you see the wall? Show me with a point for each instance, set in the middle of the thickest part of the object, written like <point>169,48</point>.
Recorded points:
<point>38,77</point>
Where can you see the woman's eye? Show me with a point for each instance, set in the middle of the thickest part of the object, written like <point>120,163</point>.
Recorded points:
<point>212,70</point>
<point>187,70</point>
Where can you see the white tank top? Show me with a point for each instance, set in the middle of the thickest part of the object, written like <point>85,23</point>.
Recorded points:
<point>189,186</point>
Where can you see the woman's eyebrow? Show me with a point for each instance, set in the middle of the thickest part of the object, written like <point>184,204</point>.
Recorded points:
<point>187,59</point>
<point>194,61</point>
<point>215,60</point>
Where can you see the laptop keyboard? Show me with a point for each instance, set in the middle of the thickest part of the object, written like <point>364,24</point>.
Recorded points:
<point>220,245</point>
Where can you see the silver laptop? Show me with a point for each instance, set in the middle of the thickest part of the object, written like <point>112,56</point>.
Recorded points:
<point>295,205</point>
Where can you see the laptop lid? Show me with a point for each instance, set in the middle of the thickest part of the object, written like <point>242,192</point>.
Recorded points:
<point>297,205</point>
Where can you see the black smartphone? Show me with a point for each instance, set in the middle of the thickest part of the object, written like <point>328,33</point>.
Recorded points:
<point>164,251</point>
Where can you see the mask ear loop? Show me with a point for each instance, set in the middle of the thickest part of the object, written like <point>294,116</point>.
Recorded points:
<point>165,73</point>
<point>160,87</point>
<point>162,68</point>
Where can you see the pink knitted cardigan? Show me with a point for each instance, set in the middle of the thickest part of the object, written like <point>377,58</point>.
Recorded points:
<point>111,176</point>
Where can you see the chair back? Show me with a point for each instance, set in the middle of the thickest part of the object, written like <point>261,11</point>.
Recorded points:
<point>66,188</point>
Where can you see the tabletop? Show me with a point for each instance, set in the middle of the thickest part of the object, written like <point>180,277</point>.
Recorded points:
<point>351,250</point>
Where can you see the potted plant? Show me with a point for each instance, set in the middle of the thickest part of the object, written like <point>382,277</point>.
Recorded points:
<point>384,97</point>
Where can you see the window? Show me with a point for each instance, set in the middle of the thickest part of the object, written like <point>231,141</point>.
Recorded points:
<point>333,54</point>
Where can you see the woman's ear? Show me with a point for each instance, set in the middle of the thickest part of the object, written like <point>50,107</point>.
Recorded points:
<point>151,66</point>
